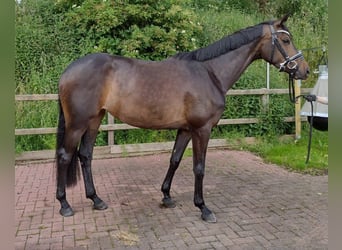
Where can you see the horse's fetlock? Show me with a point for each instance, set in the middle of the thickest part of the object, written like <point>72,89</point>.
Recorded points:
<point>91,194</point>
<point>199,203</point>
<point>165,189</point>
<point>60,196</point>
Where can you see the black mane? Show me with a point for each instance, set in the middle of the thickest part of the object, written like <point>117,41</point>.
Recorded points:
<point>224,45</point>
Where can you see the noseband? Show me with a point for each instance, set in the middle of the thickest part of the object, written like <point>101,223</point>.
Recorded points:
<point>290,62</point>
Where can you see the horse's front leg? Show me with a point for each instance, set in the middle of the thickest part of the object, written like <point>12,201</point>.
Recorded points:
<point>200,139</point>
<point>182,140</point>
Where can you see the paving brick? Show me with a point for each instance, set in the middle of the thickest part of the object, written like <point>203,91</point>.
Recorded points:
<point>200,246</point>
<point>224,240</point>
<point>45,233</point>
<point>57,245</point>
<point>205,239</point>
<point>243,240</point>
<point>265,243</point>
<point>247,233</point>
<point>162,245</point>
<point>20,242</point>
<point>258,206</point>
<point>32,239</point>
<point>68,241</point>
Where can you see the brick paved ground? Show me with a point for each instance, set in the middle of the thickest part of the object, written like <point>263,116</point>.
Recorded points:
<point>257,205</point>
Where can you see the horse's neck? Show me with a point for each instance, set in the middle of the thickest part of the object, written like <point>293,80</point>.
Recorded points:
<point>229,67</point>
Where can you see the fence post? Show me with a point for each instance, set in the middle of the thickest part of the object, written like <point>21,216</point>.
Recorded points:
<point>110,133</point>
<point>265,102</point>
<point>297,110</point>
<point>265,98</point>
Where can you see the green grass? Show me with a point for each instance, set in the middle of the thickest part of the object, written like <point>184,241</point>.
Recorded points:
<point>292,154</point>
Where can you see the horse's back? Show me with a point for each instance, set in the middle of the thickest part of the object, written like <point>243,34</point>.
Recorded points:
<point>85,66</point>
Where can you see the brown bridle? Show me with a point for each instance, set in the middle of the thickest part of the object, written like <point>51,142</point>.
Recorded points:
<point>290,62</point>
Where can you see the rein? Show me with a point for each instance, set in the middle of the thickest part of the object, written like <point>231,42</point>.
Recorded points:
<point>308,98</point>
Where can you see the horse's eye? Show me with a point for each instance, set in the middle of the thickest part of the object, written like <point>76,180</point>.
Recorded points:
<point>286,41</point>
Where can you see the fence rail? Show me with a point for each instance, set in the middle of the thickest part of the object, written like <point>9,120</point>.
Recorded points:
<point>111,126</point>
<point>232,92</point>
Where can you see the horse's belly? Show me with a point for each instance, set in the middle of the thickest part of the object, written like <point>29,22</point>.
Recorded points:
<point>150,117</point>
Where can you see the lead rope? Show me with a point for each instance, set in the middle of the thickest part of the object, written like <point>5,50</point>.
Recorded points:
<point>308,98</point>
<point>310,133</point>
<point>292,90</point>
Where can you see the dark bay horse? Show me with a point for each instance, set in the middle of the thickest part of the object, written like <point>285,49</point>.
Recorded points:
<point>184,92</point>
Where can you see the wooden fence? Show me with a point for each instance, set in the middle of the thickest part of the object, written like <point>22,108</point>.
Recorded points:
<point>130,149</point>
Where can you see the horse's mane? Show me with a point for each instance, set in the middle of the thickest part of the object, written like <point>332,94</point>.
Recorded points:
<point>224,45</point>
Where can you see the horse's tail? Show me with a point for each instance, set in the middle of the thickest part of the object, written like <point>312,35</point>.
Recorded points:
<point>72,170</point>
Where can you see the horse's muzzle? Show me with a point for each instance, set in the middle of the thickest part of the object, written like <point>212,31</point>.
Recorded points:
<point>302,72</point>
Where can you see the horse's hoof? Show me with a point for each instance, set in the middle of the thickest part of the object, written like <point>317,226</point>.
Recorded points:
<point>66,212</point>
<point>100,206</point>
<point>211,218</point>
<point>168,203</point>
<point>208,216</point>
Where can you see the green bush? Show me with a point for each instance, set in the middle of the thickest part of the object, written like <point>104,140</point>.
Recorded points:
<point>140,29</point>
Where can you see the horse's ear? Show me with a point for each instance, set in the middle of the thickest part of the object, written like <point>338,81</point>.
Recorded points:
<point>284,19</point>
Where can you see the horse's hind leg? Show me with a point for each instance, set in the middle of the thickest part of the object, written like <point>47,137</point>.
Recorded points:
<point>182,140</point>
<point>67,169</point>
<point>85,155</point>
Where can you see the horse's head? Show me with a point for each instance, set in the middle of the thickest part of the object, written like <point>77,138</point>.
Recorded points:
<point>279,50</point>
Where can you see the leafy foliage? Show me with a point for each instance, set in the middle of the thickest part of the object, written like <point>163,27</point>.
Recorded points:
<point>141,29</point>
